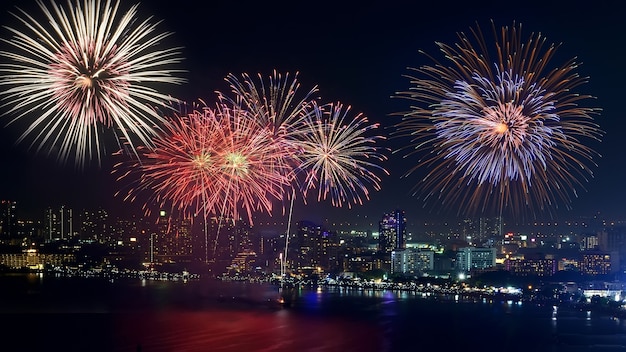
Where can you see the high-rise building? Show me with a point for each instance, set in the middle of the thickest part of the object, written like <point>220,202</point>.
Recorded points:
<point>130,238</point>
<point>226,237</point>
<point>392,232</point>
<point>59,224</point>
<point>314,248</point>
<point>94,225</point>
<point>489,228</point>
<point>8,220</point>
<point>589,242</point>
<point>614,240</point>
<point>412,261</point>
<point>173,241</point>
<point>473,258</point>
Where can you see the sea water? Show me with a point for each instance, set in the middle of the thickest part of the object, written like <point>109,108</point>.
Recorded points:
<point>42,313</point>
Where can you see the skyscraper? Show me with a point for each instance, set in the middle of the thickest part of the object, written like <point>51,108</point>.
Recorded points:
<point>392,232</point>
<point>314,248</point>
<point>173,241</point>
<point>8,221</point>
<point>490,228</point>
<point>59,224</point>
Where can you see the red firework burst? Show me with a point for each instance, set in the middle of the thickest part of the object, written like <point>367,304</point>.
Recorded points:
<point>208,161</point>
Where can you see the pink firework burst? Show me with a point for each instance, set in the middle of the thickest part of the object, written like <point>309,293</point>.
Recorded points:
<point>248,155</point>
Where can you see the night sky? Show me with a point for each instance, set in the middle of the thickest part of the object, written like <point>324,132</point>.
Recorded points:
<point>356,55</point>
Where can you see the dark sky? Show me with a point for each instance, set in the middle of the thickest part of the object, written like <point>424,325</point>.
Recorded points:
<point>356,55</point>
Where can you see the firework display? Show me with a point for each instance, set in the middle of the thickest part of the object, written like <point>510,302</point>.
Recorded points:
<point>340,154</point>
<point>209,161</point>
<point>322,149</point>
<point>496,127</point>
<point>251,176</point>
<point>275,101</point>
<point>278,104</point>
<point>84,70</point>
<point>180,172</point>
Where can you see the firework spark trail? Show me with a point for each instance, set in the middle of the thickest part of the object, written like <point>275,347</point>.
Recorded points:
<point>182,172</point>
<point>341,155</point>
<point>277,103</point>
<point>499,134</point>
<point>248,154</point>
<point>211,159</point>
<point>88,70</point>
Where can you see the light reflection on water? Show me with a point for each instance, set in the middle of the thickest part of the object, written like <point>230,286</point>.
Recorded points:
<point>348,319</point>
<point>215,316</point>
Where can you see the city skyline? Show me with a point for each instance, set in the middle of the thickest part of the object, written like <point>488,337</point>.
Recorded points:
<point>415,229</point>
<point>357,56</point>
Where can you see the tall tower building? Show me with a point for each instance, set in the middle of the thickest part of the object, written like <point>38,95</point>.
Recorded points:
<point>8,221</point>
<point>227,237</point>
<point>173,240</point>
<point>314,248</point>
<point>614,239</point>
<point>392,232</point>
<point>59,224</point>
<point>490,228</point>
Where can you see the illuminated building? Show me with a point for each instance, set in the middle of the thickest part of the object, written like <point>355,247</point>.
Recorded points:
<point>532,265</point>
<point>314,248</point>
<point>412,261</point>
<point>128,240</point>
<point>172,241</point>
<point>489,227</point>
<point>359,263</point>
<point>590,242</point>
<point>270,250</point>
<point>473,258</point>
<point>93,225</point>
<point>392,232</point>
<point>8,220</point>
<point>31,259</point>
<point>227,237</point>
<point>599,263</point>
<point>243,263</point>
<point>614,239</point>
<point>59,224</point>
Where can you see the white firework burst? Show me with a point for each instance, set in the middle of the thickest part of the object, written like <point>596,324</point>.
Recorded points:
<point>85,69</point>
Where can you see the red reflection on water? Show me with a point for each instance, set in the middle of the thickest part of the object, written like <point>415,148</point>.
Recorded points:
<point>225,330</point>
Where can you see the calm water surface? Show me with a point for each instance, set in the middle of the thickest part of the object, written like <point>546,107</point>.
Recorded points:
<point>42,313</point>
